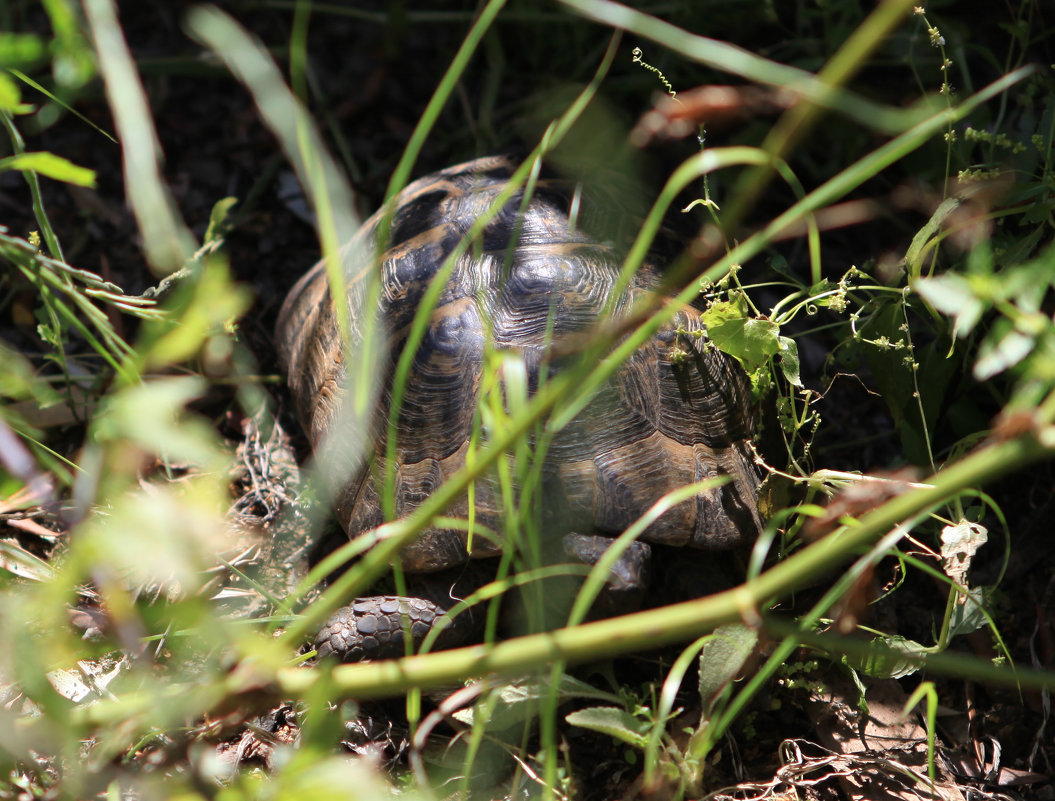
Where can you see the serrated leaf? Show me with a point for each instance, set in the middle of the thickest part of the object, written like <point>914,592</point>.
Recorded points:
<point>613,721</point>
<point>721,659</point>
<point>50,166</point>
<point>50,334</point>
<point>723,311</point>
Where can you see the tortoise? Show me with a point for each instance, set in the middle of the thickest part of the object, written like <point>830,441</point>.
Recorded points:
<point>676,412</point>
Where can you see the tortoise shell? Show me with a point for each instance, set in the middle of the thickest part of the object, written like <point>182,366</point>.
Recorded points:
<point>676,412</point>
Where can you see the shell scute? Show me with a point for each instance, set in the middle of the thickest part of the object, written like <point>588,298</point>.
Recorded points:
<point>675,412</point>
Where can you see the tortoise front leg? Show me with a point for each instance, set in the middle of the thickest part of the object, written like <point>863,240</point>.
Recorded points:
<point>375,628</point>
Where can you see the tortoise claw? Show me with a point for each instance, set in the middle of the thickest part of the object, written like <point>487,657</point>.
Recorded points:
<point>630,571</point>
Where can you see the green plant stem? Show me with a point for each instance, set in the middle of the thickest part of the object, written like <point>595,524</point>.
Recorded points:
<point>685,621</point>
<point>797,121</point>
<point>957,665</point>
<point>401,173</point>
<point>391,537</point>
<point>686,272</point>
<point>323,182</point>
<point>18,145</point>
<point>166,240</point>
<point>928,691</point>
<point>733,60</point>
<point>805,623</point>
<point>400,176</point>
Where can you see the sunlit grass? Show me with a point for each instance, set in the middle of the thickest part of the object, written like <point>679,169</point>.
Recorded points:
<point>144,497</point>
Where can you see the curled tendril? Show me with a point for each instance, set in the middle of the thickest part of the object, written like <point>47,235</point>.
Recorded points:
<point>707,202</point>
<point>637,53</point>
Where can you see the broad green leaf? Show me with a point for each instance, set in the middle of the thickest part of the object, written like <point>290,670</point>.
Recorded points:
<point>721,659</point>
<point>890,658</point>
<point>162,532</point>
<point>73,64</point>
<point>153,416</point>
<point>778,264</point>
<point>18,379</point>
<point>50,166</point>
<point>897,379</point>
<point>724,311</point>
<point>1027,284</point>
<point>751,341</point>
<point>214,304</point>
<point>968,614</point>
<point>614,721</point>
<point>789,360</point>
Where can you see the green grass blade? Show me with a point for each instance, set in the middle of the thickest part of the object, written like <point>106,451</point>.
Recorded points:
<point>733,60</point>
<point>167,242</point>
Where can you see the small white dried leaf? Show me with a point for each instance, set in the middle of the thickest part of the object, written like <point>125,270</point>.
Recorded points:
<point>68,684</point>
<point>959,543</point>
<point>89,679</point>
<point>102,671</point>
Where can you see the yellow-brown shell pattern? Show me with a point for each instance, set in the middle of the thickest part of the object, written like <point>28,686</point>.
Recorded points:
<point>674,413</point>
